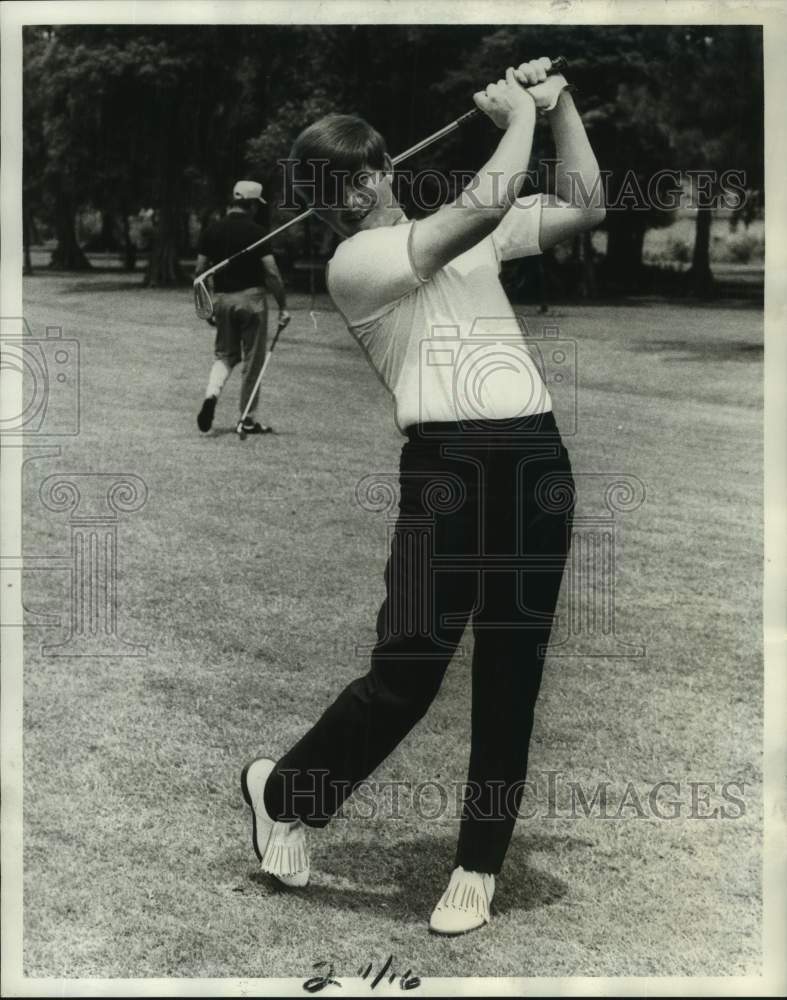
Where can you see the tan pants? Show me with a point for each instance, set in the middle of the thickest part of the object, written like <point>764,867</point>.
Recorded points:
<point>242,335</point>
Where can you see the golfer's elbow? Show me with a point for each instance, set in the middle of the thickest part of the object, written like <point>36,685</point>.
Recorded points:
<point>592,211</point>
<point>594,215</point>
<point>587,218</point>
<point>595,207</point>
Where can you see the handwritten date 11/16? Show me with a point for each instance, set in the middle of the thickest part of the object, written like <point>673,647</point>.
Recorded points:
<point>407,981</point>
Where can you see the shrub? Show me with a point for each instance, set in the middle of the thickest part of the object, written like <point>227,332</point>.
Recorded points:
<point>742,247</point>
<point>678,249</point>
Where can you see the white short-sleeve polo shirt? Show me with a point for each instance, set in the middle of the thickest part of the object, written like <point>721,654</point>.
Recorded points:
<point>448,348</point>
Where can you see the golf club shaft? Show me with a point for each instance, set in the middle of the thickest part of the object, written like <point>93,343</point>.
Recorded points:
<point>253,246</point>
<point>259,377</point>
<point>435,137</point>
<point>557,64</point>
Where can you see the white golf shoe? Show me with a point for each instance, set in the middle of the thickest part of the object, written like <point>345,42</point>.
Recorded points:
<point>280,847</point>
<point>464,905</point>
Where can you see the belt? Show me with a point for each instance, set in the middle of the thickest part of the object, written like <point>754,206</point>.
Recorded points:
<point>531,424</point>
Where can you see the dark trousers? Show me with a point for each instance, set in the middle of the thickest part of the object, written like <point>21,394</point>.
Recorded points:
<point>482,534</point>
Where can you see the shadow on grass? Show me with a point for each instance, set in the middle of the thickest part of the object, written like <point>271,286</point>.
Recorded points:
<point>702,350</point>
<point>130,284</point>
<point>219,432</point>
<point>399,879</point>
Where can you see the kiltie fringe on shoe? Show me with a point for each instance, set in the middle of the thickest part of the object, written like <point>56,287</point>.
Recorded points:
<point>463,895</point>
<point>283,859</point>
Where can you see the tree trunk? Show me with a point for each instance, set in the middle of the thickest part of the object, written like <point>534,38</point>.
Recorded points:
<point>164,268</point>
<point>129,249</point>
<point>106,238</point>
<point>67,255</point>
<point>637,245</point>
<point>184,241</point>
<point>586,266</point>
<point>105,241</point>
<point>616,246</point>
<point>700,273</point>
<point>27,267</point>
<point>623,264</point>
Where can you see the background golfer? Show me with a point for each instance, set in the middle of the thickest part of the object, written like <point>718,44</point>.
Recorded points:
<point>241,308</point>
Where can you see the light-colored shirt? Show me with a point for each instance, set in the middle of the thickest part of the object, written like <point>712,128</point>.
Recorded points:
<point>450,347</point>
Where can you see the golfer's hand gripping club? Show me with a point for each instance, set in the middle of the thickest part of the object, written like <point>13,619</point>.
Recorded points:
<point>557,64</point>
<point>531,83</point>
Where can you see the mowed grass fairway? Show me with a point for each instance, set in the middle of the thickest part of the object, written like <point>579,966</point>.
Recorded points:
<point>251,574</point>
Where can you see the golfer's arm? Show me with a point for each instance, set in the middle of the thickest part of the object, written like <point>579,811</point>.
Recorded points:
<point>273,281</point>
<point>458,226</point>
<point>577,178</point>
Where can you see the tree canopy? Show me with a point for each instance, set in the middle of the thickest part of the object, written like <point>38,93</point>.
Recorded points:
<point>121,117</point>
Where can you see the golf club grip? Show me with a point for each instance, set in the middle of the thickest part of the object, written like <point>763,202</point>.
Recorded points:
<point>559,63</point>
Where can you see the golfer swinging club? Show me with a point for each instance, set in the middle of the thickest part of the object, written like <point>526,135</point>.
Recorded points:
<point>241,309</point>
<point>480,535</point>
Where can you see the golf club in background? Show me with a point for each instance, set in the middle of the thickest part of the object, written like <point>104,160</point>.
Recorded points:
<point>239,429</point>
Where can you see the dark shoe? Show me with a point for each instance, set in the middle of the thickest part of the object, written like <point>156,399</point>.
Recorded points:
<point>252,427</point>
<point>205,415</point>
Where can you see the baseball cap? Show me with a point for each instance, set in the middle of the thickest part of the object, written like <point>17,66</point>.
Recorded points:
<point>248,190</point>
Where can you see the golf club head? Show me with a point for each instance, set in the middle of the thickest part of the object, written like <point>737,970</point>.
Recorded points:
<point>240,432</point>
